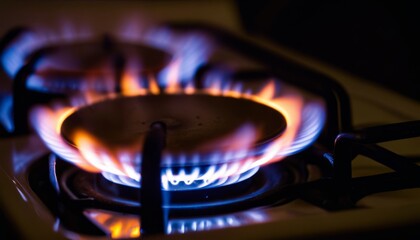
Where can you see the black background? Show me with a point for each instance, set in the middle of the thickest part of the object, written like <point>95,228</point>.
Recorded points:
<point>377,40</point>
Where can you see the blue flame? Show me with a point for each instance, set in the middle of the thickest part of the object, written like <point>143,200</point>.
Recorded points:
<point>313,119</point>
<point>102,83</point>
<point>6,118</point>
<point>190,52</point>
<point>13,58</point>
<point>15,55</point>
<point>195,178</point>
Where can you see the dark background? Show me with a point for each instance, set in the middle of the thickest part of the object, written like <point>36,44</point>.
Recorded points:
<point>377,40</point>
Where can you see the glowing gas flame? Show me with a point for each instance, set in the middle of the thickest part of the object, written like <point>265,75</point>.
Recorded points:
<point>107,160</point>
<point>227,166</point>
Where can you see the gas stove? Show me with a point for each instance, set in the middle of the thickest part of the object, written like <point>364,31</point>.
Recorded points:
<point>189,131</point>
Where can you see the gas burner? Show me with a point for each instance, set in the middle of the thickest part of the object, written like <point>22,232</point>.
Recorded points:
<point>180,129</point>
<point>219,129</point>
<point>184,133</point>
<point>223,137</point>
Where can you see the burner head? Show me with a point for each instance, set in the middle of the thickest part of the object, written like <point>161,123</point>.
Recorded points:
<point>195,123</point>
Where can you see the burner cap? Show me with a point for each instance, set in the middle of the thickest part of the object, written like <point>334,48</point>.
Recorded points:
<point>193,121</point>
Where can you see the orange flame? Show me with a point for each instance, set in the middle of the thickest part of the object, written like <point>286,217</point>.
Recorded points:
<point>173,76</point>
<point>153,86</point>
<point>130,85</point>
<point>113,160</point>
<point>268,90</point>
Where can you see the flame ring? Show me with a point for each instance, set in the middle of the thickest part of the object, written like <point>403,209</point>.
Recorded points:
<point>298,134</point>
